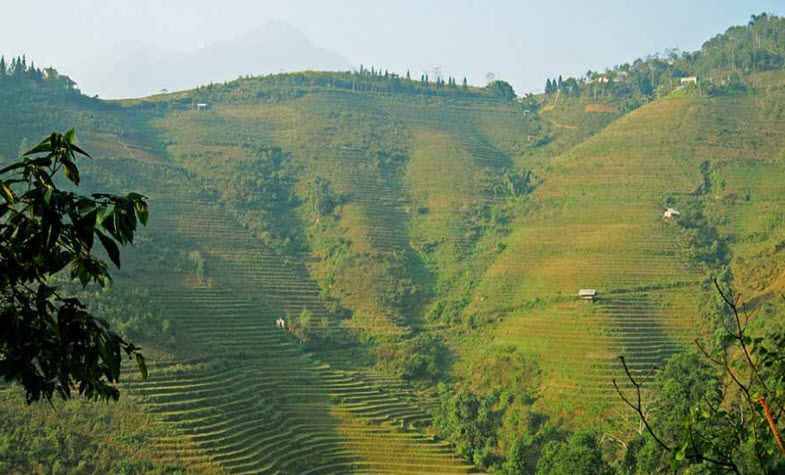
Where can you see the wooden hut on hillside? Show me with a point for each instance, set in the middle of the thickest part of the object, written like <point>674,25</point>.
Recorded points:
<point>587,294</point>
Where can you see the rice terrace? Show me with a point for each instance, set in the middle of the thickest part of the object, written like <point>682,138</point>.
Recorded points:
<point>259,257</point>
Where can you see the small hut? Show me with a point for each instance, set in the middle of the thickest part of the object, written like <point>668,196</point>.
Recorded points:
<point>202,106</point>
<point>587,294</point>
<point>671,213</point>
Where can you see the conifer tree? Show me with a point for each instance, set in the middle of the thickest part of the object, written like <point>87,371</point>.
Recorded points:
<point>408,76</point>
<point>465,83</point>
<point>3,67</point>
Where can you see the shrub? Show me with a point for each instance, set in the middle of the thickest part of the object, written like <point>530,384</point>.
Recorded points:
<point>579,455</point>
<point>423,358</point>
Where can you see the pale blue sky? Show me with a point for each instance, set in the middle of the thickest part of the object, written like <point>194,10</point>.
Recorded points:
<point>521,41</point>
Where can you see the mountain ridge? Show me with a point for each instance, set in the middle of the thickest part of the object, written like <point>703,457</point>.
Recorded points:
<point>270,48</point>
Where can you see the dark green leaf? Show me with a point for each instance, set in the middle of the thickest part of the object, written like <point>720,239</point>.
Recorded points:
<point>12,167</point>
<point>111,247</point>
<point>75,352</point>
<point>142,212</point>
<point>71,172</point>
<point>80,151</point>
<point>45,146</point>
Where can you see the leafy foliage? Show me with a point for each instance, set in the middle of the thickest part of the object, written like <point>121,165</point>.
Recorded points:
<point>69,438</point>
<point>580,454</point>
<point>321,197</point>
<point>471,423</point>
<point>307,328</point>
<point>489,417</point>
<point>715,411</point>
<point>718,67</point>
<point>515,183</point>
<point>501,89</point>
<point>50,343</point>
<point>420,359</point>
<point>131,313</point>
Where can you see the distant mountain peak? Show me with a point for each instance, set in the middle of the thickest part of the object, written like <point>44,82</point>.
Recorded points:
<point>272,47</point>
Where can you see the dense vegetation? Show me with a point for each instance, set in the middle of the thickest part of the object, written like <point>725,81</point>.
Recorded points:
<point>50,343</point>
<point>77,437</point>
<point>720,67</point>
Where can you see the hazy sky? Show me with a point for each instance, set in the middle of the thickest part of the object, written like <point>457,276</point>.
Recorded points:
<point>522,41</point>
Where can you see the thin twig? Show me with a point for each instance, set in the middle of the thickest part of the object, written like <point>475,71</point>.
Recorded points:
<point>638,407</point>
<point>740,334</point>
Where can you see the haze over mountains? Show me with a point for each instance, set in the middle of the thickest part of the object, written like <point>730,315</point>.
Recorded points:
<point>274,47</point>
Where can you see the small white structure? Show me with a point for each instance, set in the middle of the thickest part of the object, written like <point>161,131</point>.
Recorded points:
<point>202,106</point>
<point>587,294</point>
<point>671,213</point>
<point>688,80</point>
<point>281,323</point>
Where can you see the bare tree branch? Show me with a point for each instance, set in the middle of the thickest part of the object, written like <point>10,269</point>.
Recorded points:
<point>638,406</point>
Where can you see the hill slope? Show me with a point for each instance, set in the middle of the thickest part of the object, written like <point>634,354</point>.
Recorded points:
<point>369,211</point>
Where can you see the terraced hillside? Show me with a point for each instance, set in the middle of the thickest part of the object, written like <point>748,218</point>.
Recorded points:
<point>598,223</point>
<point>381,216</point>
<point>407,173</point>
<point>419,181</point>
<point>245,396</point>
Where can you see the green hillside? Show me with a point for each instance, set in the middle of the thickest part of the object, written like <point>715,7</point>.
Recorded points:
<point>422,241</point>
